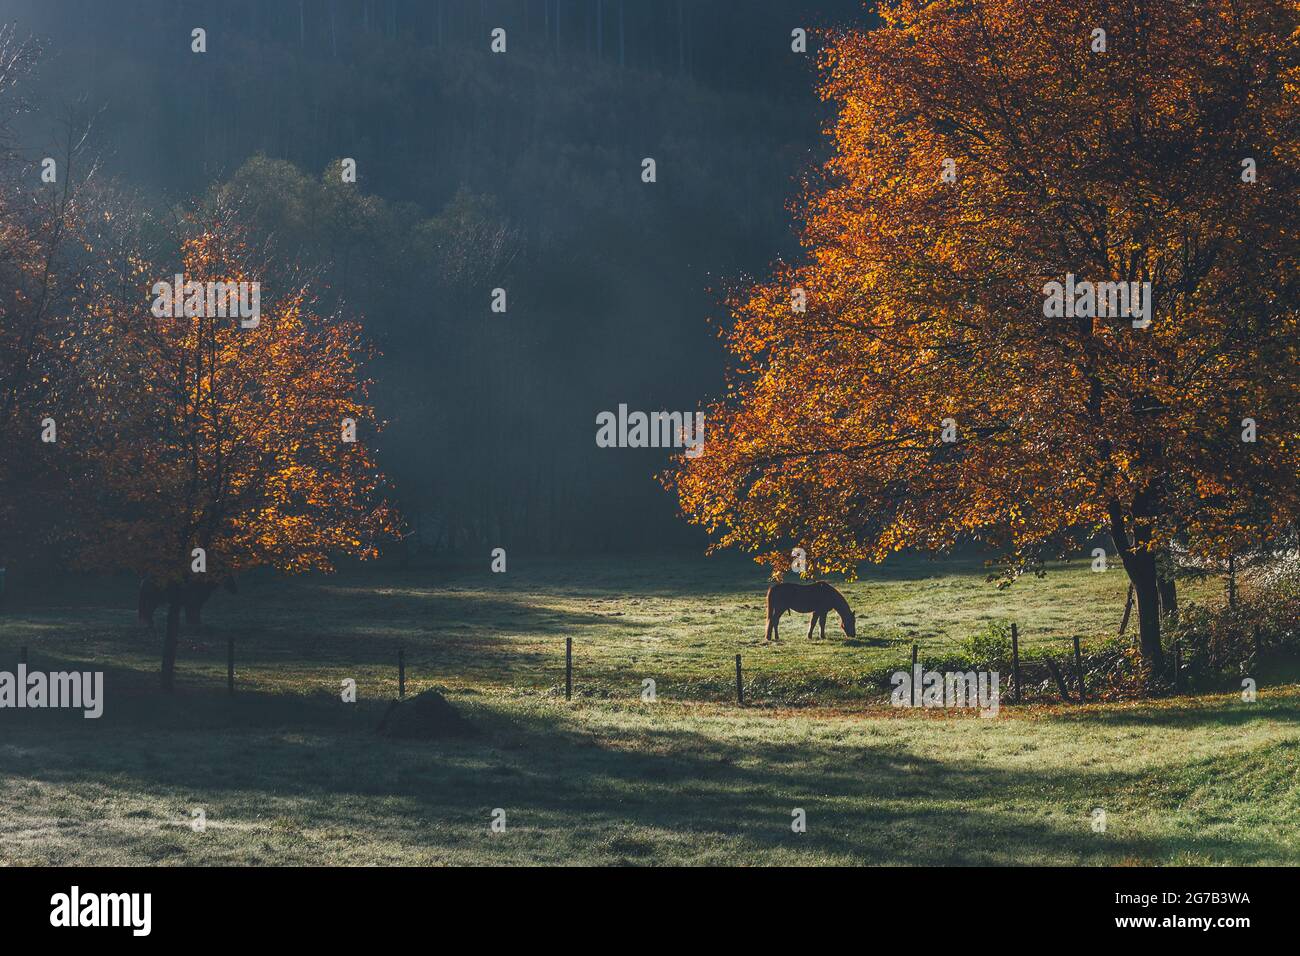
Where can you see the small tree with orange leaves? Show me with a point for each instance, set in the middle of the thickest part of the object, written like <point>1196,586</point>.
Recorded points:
<point>223,441</point>
<point>910,384</point>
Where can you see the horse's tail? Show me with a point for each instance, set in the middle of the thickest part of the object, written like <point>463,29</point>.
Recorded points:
<point>772,606</point>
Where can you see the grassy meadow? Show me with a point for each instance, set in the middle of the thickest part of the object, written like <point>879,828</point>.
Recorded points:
<point>286,773</point>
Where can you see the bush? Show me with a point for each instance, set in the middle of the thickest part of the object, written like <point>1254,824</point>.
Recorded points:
<point>1218,643</point>
<point>991,647</point>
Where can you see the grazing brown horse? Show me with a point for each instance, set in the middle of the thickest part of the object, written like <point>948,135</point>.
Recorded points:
<point>819,598</point>
<point>190,595</point>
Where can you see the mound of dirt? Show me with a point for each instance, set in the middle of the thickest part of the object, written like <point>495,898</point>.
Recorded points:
<point>426,716</point>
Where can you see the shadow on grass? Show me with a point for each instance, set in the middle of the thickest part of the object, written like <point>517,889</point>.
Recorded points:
<point>628,796</point>
<point>363,629</point>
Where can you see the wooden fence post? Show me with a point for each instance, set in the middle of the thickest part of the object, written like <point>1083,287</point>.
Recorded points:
<point>1060,681</point>
<point>1078,670</point>
<point>230,666</point>
<point>568,668</point>
<point>740,684</point>
<point>1015,657</point>
<point>1128,609</point>
<point>401,671</point>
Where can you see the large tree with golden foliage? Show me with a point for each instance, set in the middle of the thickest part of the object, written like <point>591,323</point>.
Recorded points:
<point>1115,157</point>
<point>217,432</point>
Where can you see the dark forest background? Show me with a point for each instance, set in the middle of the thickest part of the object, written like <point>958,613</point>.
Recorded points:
<point>476,171</point>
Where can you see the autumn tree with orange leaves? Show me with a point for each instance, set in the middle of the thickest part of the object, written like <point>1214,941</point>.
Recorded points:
<point>1112,141</point>
<point>39,227</point>
<point>221,443</point>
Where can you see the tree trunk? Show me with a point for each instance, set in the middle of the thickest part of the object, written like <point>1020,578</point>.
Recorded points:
<point>1148,600</point>
<point>169,645</point>
<point>1140,565</point>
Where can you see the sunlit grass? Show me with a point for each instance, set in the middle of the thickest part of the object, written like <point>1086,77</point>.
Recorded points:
<point>287,773</point>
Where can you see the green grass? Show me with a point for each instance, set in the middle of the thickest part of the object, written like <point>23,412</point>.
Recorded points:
<point>288,774</point>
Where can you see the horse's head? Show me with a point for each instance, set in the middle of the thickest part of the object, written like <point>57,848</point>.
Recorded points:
<point>849,621</point>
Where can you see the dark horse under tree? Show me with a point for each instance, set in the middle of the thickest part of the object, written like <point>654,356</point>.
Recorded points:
<point>819,599</point>
<point>190,595</point>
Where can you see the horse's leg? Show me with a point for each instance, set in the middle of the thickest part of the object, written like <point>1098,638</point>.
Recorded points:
<point>823,624</point>
<point>767,635</point>
<point>812,622</point>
